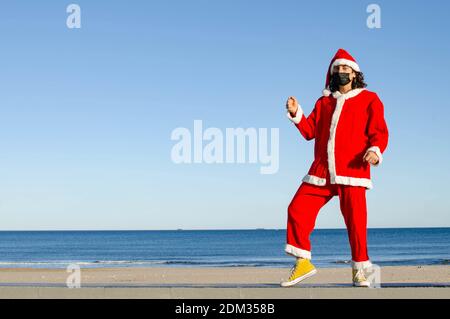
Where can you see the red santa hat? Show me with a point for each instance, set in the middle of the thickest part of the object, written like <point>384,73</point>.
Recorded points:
<point>341,57</point>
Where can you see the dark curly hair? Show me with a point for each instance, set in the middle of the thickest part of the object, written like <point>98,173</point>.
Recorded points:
<point>358,82</point>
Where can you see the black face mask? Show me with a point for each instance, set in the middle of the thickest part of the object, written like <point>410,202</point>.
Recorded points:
<point>341,78</point>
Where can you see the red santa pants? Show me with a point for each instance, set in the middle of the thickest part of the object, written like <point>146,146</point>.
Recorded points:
<point>305,206</point>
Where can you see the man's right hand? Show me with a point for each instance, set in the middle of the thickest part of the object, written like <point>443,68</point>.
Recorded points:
<point>292,105</point>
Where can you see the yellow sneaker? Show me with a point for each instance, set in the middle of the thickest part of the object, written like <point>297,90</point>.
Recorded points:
<point>303,269</point>
<point>359,278</point>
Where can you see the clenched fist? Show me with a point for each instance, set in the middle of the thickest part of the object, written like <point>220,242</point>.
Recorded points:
<point>292,105</point>
<point>371,157</point>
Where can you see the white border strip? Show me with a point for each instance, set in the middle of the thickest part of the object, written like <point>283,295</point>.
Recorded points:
<point>334,179</point>
<point>354,181</point>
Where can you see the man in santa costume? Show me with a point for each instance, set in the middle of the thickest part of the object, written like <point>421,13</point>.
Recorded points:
<point>350,133</point>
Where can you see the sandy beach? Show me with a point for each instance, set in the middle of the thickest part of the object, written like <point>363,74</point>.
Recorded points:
<point>223,282</point>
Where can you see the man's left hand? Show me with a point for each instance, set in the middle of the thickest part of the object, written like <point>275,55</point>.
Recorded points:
<point>371,157</point>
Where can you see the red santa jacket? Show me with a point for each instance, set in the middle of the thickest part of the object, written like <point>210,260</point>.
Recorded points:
<point>345,127</point>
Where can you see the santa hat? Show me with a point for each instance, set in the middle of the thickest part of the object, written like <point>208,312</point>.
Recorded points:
<point>341,57</point>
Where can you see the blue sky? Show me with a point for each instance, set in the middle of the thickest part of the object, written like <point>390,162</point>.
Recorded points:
<point>86,114</point>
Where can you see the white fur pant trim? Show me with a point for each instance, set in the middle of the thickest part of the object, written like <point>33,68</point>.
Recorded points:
<point>297,252</point>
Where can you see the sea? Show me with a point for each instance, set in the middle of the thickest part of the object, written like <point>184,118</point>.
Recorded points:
<point>214,248</point>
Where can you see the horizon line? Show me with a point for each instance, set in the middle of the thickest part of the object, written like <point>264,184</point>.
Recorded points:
<point>207,229</point>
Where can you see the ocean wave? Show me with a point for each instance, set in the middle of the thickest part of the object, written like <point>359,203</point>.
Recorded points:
<point>342,262</point>
<point>81,263</point>
<point>106,263</point>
